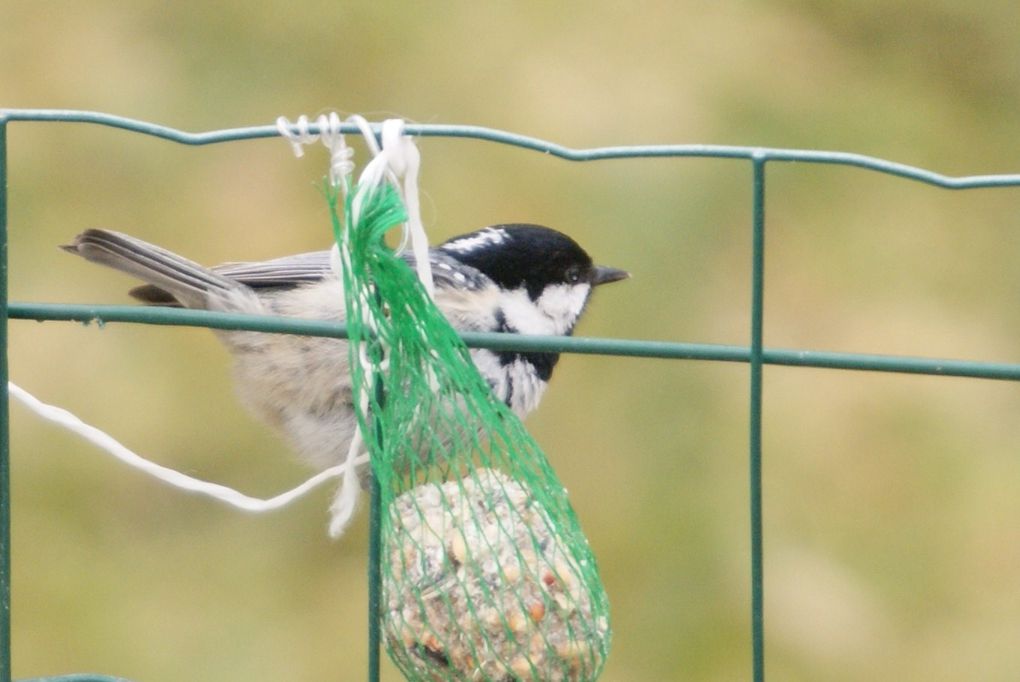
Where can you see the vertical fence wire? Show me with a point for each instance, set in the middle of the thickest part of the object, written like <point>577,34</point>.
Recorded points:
<point>375,551</point>
<point>5,471</point>
<point>755,419</point>
<point>374,579</point>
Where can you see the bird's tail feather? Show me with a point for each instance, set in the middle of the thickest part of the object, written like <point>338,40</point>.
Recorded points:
<point>171,279</point>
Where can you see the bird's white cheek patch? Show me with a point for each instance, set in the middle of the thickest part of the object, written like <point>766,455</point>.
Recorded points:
<point>523,316</point>
<point>555,312</point>
<point>563,303</point>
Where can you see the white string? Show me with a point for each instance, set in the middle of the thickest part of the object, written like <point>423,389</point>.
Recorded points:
<point>345,502</point>
<point>298,134</point>
<point>405,160</point>
<point>366,132</point>
<point>341,157</point>
<point>172,477</point>
<point>397,159</point>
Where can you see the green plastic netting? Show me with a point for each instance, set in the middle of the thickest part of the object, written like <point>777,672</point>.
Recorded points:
<point>486,574</point>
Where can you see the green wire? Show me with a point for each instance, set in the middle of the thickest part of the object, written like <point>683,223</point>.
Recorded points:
<point>668,350</point>
<point>5,481</point>
<point>756,354</point>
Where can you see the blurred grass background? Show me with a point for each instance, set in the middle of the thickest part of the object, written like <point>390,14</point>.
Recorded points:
<point>892,502</point>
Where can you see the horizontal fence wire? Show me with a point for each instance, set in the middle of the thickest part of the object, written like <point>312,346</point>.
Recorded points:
<point>668,350</point>
<point>756,354</point>
<point>77,677</point>
<point>534,144</point>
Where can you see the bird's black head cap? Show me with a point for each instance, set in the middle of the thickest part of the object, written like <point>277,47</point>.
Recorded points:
<point>521,255</point>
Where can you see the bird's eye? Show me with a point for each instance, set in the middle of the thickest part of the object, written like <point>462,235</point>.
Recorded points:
<point>574,274</point>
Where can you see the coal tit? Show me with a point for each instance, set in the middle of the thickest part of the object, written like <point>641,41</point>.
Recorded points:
<point>524,279</point>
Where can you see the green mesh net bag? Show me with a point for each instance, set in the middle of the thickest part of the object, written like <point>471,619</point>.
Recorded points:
<point>486,574</point>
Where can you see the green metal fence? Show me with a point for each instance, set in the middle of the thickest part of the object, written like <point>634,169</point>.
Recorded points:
<point>755,354</point>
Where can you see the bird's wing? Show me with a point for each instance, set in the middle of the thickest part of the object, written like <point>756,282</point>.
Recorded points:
<point>449,273</point>
<point>304,268</point>
<point>280,272</point>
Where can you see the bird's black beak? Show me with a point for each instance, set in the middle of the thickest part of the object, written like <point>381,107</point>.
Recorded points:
<point>602,274</point>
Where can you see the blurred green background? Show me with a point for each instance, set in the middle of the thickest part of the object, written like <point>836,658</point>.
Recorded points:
<point>892,502</point>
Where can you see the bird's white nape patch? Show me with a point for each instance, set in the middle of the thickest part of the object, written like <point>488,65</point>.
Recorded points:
<point>487,237</point>
<point>554,313</point>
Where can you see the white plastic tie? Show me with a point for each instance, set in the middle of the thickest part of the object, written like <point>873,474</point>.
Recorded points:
<point>328,131</point>
<point>298,134</point>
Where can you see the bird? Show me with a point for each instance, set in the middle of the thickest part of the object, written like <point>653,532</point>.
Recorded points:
<point>515,278</point>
